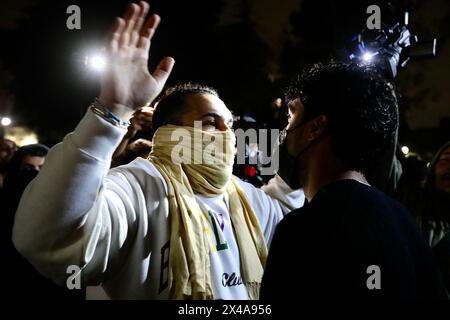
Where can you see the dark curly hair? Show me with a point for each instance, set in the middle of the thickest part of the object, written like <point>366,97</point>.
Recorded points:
<point>171,104</point>
<point>360,105</point>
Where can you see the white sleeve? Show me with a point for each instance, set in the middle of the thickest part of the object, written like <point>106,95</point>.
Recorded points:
<point>72,213</point>
<point>270,210</point>
<point>289,199</point>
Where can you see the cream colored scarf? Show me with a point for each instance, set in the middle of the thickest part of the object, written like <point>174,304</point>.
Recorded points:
<point>193,161</point>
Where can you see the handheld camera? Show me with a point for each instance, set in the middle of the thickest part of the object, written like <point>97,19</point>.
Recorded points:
<point>389,48</point>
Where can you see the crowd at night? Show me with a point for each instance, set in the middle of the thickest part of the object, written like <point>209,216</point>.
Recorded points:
<point>225,150</point>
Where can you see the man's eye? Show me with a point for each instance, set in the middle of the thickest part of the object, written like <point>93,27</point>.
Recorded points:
<point>209,125</point>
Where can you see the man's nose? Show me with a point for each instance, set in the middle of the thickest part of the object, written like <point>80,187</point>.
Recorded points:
<point>223,126</point>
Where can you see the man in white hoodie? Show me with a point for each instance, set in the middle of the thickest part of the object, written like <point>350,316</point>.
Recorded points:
<point>155,228</point>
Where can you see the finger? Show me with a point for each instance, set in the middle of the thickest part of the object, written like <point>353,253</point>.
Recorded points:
<point>144,7</point>
<point>147,32</point>
<point>147,109</point>
<point>143,117</point>
<point>145,125</point>
<point>116,31</point>
<point>134,39</point>
<point>151,23</point>
<point>163,70</point>
<point>130,19</point>
<point>135,34</point>
<point>144,121</point>
<point>129,11</point>
<point>146,116</point>
<point>134,23</point>
<point>144,42</point>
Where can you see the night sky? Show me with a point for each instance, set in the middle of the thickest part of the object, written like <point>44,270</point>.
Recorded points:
<point>423,86</point>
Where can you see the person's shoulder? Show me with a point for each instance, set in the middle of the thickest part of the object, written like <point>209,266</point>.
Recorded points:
<point>296,218</point>
<point>360,192</point>
<point>355,198</point>
<point>380,207</point>
<point>379,197</point>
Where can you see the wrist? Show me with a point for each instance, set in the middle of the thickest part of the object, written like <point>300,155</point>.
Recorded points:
<point>104,112</point>
<point>122,111</point>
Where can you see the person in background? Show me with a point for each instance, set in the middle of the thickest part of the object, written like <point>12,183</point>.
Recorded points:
<point>434,206</point>
<point>410,188</point>
<point>23,281</point>
<point>7,149</point>
<point>136,142</point>
<point>425,191</point>
<point>23,167</point>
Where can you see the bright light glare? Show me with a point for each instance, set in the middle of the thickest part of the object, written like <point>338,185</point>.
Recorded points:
<point>278,103</point>
<point>29,139</point>
<point>6,121</point>
<point>367,56</point>
<point>405,150</point>
<point>96,63</point>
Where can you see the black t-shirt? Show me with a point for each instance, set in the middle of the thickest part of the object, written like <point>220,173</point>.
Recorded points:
<point>349,238</point>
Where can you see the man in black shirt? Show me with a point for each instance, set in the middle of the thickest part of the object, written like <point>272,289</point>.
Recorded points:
<point>350,240</point>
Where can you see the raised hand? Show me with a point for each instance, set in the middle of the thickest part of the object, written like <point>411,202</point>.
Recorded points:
<point>127,83</point>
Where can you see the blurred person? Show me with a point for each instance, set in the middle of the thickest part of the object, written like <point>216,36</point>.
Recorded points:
<point>23,281</point>
<point>7,149</point>
<point>429,199</point>
<point>433,206</point>
<point>442,253</point>
<point>440,165</point>
<point>152,229</point>
<point>130,148</point>
<point>342,116</point>
<point>409,191</point>
<point>22,168</point>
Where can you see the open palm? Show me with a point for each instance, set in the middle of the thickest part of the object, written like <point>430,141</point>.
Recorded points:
<point>127,83</point>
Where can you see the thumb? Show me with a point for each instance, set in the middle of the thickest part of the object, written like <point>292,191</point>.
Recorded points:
<point>163,70</point>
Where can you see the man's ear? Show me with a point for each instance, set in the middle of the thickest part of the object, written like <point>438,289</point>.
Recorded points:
<point>317,127</point>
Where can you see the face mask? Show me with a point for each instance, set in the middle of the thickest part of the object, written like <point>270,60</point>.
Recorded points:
<point>288,164</point>
<point>17,181</point>
<point>288,168</point>
<point>205,157</point>
<point>191,146</point>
